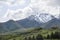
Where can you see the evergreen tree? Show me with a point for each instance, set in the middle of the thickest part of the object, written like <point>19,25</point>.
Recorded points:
<point>39,37</point>
<point>33,38</point>
<point>52,35</point>
<point>25,38</point>
<point>14,39</point>
<point>48,36</point>
<point>29,38</point>
<point>0,38</point>
<point>55,35</point>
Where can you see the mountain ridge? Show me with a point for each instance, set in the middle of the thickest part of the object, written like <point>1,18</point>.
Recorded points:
<point>30,22</point>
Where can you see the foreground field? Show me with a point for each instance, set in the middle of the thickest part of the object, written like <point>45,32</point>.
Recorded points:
<point>34,34</point>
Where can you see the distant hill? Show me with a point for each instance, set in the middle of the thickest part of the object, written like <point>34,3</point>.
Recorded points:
<point>9,26</point>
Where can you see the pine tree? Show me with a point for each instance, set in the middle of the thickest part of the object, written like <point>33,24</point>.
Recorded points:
<point>57,35</point>
<point>0,38</point>
<point>25,38</point>
<point>14,39</point>
<point>48,36</point>
<point>52,35</point>
<point>29,38</point>
<point>33,38</point>
<point>39,37</point>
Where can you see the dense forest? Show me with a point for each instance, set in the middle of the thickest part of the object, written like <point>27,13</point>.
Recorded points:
<point>34,34</point>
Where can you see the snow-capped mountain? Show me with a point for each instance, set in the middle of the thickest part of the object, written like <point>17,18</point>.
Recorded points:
<point>33,21</point>
<point>42,17</point>
<point>39,20</point>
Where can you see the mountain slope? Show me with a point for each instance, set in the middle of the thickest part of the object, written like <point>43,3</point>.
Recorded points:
<point>36,20</point>
<point>9,26</point>
<point>29,22</point>
<point>52,23</point>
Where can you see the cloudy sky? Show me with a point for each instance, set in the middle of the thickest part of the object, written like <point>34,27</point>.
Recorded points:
<point>20,9</point>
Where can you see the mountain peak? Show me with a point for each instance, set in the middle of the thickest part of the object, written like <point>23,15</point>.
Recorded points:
<point>42,17</point>
<point>11,21</point>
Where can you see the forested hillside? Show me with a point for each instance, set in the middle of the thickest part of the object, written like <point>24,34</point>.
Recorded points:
<point>34,34</point>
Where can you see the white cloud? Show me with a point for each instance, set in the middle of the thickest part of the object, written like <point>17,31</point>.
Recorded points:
<point>44,6</point>
<point>22,13</point>
<point>3,8</point>
<point>20,9</point>
<point>16,14</point>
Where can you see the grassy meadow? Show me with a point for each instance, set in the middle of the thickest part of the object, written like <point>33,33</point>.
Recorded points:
<point>34,34</point>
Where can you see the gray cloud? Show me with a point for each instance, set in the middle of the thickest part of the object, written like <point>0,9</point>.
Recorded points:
<point>54,3</point>
<point>3,0</point>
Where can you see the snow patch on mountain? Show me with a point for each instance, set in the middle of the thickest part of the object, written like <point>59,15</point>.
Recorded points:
<point>42,17</point>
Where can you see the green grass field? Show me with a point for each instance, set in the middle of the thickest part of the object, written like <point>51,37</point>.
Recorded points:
<point>29,33</point>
